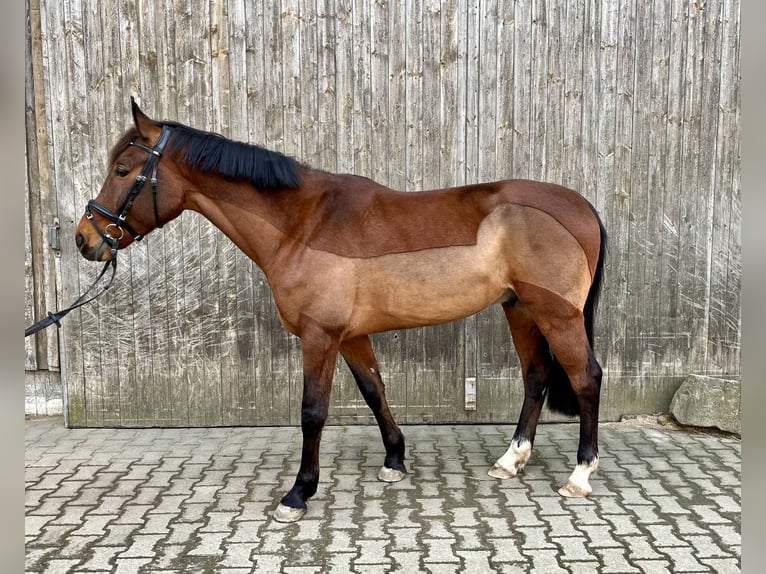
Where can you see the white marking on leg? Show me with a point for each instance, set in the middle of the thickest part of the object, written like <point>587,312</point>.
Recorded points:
<point>514,459</point>
<point>578,485</point>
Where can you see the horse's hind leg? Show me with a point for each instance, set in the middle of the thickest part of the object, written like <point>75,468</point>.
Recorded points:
<point>360,358</point>
<point>563,326</point>
<point>535,365</point>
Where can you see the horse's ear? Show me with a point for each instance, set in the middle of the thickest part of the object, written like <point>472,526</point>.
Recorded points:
<point>144,124</point>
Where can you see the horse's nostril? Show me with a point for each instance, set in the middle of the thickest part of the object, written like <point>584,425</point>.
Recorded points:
<point>79,240</point>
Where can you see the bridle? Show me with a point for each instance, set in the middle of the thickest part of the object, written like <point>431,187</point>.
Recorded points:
<point>118,223</point>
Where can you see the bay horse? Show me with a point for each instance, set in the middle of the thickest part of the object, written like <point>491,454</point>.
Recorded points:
<point>346,257</point>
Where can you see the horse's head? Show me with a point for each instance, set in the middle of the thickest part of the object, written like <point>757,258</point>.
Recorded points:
<point>142,191</point>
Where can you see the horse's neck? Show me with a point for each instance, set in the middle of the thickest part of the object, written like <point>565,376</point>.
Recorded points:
<point>254,220</point>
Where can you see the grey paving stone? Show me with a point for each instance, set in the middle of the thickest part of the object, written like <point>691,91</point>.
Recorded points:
<point>683,560</point>
<point>59,566</point>
<point>546,561</point>
<point>101,557</point>
<point>141,546</point>
<point>654,566</point>
<point>439,550</point>
<point>613,561</point>
<point>130,565</point>
<point>723,565</point>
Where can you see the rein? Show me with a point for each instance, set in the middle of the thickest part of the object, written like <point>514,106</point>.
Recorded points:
<point>119,223</point>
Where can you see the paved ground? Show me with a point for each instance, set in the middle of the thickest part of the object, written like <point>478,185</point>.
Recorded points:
<point>199,500</point>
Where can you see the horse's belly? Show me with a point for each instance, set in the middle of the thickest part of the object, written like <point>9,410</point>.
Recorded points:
<point>426,287</point>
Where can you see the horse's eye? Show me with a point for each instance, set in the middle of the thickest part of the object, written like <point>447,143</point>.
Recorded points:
<point>121,171</point>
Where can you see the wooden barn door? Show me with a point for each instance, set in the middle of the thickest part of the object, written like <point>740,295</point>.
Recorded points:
<point>634,104</point>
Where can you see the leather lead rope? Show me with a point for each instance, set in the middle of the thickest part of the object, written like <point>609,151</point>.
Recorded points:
<point>55,318</point>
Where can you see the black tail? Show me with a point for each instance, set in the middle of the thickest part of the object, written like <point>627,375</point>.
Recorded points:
<point>561,397</point>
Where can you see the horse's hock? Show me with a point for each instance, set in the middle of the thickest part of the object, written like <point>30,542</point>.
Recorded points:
<point>705,401</point>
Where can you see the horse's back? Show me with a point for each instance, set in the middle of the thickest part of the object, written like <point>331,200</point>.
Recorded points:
<point>359,218</point>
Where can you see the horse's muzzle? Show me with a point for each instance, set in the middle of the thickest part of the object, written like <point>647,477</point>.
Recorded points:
<point>98,252</point>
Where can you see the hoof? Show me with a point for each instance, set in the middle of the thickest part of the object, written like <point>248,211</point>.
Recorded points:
<point>509,465</point>
<point>288,513</point>
<point>578,485</point>
<point>498,471</point>
<point>572,490</point>
<point>386,474</point>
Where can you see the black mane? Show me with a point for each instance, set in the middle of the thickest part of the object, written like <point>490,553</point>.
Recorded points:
<point>212,153</point>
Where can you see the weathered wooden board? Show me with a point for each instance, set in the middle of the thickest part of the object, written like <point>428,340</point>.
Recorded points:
<point>634,104</point>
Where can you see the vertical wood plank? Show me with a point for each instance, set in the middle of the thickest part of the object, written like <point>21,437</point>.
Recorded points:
<point>174,233</point>
<point>190,98</point>
<point>133,343</point>
<point>390,347</point>
<point>494,386</point>
<point>258,112</point>
<point>264,383</point>
<point>291,107</point>
<point>521,82</point>
<point>639,353</point>
<point>420,383</point>
<point>326,88</point>
<point>227,59</point>
<point>607,177</point>
<point>279,351</point>
<point>155,78</point>
<point>213,114</point>
<point>358,31</point>
<point>351,36</point>
<point>30,343</point>
<point>100,379</point>
<point>659,361</point>
<point>731,244</point>
<point>725,195</point>
<point>42,348</point>
<point>555,55</point>
<point>30,293</point>
<point>668,300</point>
<point>505,162</point>
<point>538,64</point>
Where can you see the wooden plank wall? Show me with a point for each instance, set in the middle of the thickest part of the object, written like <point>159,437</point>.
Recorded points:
<point>635,104</point>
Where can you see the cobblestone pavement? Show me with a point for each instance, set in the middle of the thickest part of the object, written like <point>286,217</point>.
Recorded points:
<point>199,500</point>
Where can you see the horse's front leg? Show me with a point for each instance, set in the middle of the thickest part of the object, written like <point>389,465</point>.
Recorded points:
<point>319,353</point>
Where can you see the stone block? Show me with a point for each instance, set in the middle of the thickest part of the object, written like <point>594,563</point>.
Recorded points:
<point>711,402</point>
